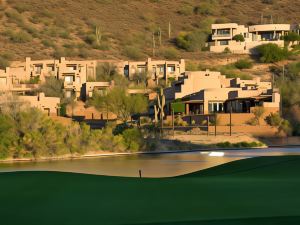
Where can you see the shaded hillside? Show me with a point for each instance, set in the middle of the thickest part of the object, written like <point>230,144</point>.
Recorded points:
<point>54,28</point>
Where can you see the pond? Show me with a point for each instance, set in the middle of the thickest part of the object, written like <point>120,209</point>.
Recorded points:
<point>151,165</point>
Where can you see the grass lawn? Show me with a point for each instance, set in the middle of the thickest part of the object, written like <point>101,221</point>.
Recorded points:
<point>263,190</point>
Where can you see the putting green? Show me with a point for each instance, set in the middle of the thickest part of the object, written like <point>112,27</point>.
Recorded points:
<point>263,190</point>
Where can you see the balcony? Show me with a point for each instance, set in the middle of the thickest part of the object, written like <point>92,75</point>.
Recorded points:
<point>24,87</point>
<point>221,36</point>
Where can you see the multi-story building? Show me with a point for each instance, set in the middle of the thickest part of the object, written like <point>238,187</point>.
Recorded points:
<point>205,92</point>
<point>224,36</point>
<point>154,69</point>
<point>49,105</point>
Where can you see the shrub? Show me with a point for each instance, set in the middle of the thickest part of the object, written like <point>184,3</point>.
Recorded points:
<point>48,43</point>
<point>227,50</point>
<point>186,10</point>
<point>242,144</point>
<point>192,41</point>
<point>133,52</point>
<point>170,53</point>
<point>270,53</point>
<point>243,64</point>
<point>205,9</point>
<point>133,139</point>
<point>285,127</point>
<point>274,119</point>
<point>21,7</point>
<point>270,2</point>
<point>258,112</point>
<point>179,122</point>
<point>19,37</point>
<point>90,39</point>
<point>3,62</point>
<point>292,37</point>
<point>14,16</point>
<point>239,37</point>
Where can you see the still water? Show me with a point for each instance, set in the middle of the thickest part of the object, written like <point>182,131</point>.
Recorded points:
<point>151,165</point>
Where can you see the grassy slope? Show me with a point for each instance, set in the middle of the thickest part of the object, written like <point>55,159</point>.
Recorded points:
<point>123,23</point>
<point>253,191</point>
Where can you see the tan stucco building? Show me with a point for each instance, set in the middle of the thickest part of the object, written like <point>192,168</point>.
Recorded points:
<point>222,37</point>
<point>155,69</point>
<point>206,92</point>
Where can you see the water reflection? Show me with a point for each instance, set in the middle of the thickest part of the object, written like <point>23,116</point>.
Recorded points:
<point>152,165</point>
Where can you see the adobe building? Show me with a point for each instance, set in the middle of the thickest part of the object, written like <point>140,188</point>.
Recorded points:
<point>49,105</point>
<point>223,36</point>
<point>209,92</point>
<point>155,69</point>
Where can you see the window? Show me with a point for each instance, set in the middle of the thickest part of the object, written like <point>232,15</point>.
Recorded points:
<point>126,70</point>
<point>50,68</point>
<point>223,32</point>
<point>72,67</point>
<point>214,107</point>
<point>38,69</point>
<point>69,79</point>
<point>161,68</point>
<point>141,69</point>
<point>224,42</point>
<point>171,68</point>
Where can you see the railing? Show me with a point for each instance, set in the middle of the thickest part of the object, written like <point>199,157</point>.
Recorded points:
<point>221,35</point>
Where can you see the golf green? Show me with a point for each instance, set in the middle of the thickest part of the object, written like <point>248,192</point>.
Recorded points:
<point>263,190</point>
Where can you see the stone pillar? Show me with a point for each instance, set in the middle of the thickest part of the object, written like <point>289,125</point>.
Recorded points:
<point>187,108</point>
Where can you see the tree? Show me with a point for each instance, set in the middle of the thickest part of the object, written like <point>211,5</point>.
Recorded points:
<point>120,103</point>
<point>8,136</point>
<point>105,72</point>
<point>239,38</point>
<point>52,87</point>
<point>292,37</point>
<point>258,113</point>
<point>243,64</point>
<point>140,78</point>
<point>270,53</point>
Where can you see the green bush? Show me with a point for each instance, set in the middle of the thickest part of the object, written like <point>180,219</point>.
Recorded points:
<point>133,139</point>
<point>48,43</point>
<point>239,37</point>
<point>191,41</point>
<point>19,37</point>
<point>3,62</point>
<point>21,7</point>
<point>170,53</point>
<point>274,119</point>
<point>186,10</point>
<point>205,9</point>
<point>90,39</point>
<point>227,50</point>
<point>292,37</point>
<point>243,64</point>
<point>242,144</point>
<point>133,52</point>
<point>14,16</point>
<point>270,53</point>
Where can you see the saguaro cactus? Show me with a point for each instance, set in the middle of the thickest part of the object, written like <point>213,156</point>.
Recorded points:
<point>161,101</point>
<point>159,33</point>
<point>98,35</point>
<point>169,30</point>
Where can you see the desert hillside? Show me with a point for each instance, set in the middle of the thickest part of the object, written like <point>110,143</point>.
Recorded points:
<point>125,28</point>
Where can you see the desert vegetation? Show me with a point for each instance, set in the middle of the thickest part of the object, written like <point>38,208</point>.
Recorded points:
<point>79,30</point>
<point>29,133</point>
